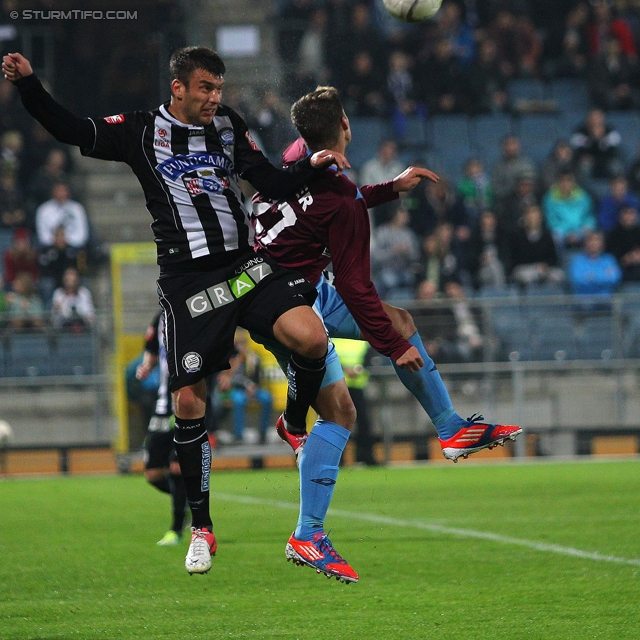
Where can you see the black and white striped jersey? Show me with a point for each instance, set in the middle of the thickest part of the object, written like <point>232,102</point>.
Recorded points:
<point>189,175</point>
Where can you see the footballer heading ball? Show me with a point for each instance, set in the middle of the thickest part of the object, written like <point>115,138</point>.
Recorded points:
<point>412,10</point>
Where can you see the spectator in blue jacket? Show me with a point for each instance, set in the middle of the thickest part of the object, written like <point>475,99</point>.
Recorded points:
<point>616,199</point>
<point>592,271</point>
<point>568,210</point>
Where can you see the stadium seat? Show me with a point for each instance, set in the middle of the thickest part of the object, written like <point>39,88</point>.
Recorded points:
<point>596,338</point>
<point>74,355</point>
<point>544,290</point>
<point>554,338</point>
<point>531,127</point>
<point>513,329</point>
<point>631,338</point>
<point>368,133</point>
<point>570,94</point>
<point>414,132</point>
<point>28,355</point>
<point>627,123</point>
<point>488,131</point>
<point>449,132</point>
<point>498,291</point>
<point>527,89</point>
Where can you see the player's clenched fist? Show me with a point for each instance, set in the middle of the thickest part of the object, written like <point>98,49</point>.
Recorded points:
<point>16,66</point>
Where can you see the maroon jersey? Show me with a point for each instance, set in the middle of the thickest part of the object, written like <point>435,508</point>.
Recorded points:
<point>328,222</point>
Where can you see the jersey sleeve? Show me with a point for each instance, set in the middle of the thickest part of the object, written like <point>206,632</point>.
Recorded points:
<point>253,166</point>
<point>349,237</point>
<point>377,194</point>
<point>63,125</point>
<point>112,137</point>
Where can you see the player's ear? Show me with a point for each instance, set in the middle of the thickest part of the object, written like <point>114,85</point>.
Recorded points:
<point>177,89</point>
<point>344,123</point>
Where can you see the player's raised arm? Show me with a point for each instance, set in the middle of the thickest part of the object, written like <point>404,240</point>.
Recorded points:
<point>58,121</point>
<point>411,177</point>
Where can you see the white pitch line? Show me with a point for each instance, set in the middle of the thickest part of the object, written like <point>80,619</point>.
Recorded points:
<point>437,528</point>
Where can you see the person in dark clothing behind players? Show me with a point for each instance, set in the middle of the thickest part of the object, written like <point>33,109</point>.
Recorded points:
<point>188,155</point>
<point>161,467</point>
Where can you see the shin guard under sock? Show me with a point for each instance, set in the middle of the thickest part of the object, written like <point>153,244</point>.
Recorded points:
<point>427,386</point>
<point>319,465</point>
<point>305,377</point>
<point>194,456</point>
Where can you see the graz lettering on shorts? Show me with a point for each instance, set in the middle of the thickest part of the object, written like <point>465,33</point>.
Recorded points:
<point>250,274</point>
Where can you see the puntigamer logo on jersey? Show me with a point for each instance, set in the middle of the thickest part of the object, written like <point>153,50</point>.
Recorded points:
<point>179,165</point>
<point>226,292</point>
<point>200,172</point>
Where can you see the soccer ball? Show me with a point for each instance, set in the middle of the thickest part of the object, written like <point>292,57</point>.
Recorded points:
<point>412,10</point>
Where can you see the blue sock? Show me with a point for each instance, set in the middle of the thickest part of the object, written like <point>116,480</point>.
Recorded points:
<point>318,474</point>
<point>427,386</point>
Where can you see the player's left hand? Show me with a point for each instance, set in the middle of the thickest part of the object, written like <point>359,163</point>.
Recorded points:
<point>411,360</point>
<point>326,157</point>
<point>411,177</point>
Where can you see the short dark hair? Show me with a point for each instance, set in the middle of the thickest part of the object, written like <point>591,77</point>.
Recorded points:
<point>317,117</point>
<point>186,60</point>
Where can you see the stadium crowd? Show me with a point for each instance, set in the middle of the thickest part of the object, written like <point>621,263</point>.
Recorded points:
<point>45,238</point>
<point>516,220</point>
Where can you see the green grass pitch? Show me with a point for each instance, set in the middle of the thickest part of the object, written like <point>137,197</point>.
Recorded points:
<point>502,551</point>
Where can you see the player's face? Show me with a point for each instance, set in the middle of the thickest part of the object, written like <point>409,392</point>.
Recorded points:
<point>202,98</point>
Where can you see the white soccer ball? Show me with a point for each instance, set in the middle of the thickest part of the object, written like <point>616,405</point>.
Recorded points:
<point>6,432</point>
<point>412,10</point>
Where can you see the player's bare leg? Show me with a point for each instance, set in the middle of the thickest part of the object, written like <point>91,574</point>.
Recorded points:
<point>458,437</point>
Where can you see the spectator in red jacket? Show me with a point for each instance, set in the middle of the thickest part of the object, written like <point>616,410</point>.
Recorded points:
<point>605,25</point>
<point>20,257</point>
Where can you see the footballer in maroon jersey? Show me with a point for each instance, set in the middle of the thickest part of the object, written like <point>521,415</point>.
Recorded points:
<point>328,222</point>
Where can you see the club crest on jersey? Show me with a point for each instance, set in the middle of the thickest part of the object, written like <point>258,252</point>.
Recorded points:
<point>192,362</point>
<point>118,119</point>
<point>226,137</point>
<point>180,165</point>
<point>206,180</point>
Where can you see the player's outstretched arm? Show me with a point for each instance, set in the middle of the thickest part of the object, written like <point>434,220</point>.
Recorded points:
<point>58,121</point>
<point>411,177</point>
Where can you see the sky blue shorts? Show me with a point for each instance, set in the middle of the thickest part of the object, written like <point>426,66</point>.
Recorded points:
<point>338,322</point>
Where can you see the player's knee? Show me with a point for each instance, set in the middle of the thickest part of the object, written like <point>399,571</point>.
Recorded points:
<point>189,401</point>
<point>338,407</point>
<point>349,417</point>
<point>406,326</point>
